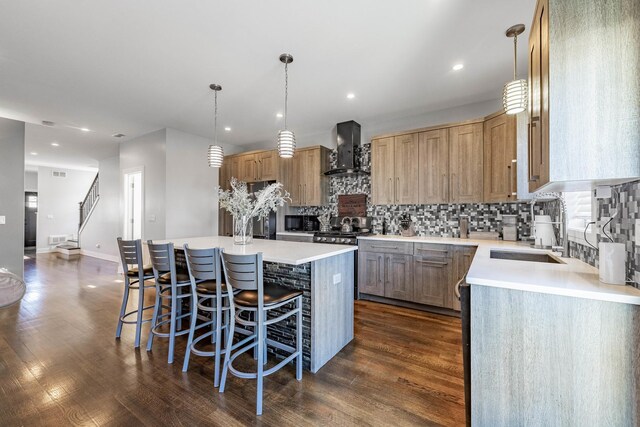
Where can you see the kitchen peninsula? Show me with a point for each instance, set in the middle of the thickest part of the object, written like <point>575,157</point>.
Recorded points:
<point>325,274</point>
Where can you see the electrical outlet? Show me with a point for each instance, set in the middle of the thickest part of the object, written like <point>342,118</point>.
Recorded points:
<point>3,220</point>
<point>637,232</point>
<point>98,245</point>
<point>337,278</point>
<point>50,216</point>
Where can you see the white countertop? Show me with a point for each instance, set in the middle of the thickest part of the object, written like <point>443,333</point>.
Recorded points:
<point>572,278</point>
<point>281,251</point>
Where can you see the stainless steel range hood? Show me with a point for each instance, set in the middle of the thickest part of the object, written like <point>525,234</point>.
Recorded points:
<point>347,136</point>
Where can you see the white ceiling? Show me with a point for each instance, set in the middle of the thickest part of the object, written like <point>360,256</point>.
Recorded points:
<point>134,67</point>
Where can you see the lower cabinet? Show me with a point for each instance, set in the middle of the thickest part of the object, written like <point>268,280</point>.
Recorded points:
<point>428,276</point>
<point>431,281</point>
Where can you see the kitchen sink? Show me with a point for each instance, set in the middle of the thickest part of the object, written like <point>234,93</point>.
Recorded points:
<point>525,256</point>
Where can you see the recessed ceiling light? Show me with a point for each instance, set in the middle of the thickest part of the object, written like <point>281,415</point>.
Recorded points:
<point>33,153</point>
<point>458,67</point>
<point>351,96</point>
<point>228,129</point>
<point>85,130</point>
<point>55,144</point>
<point>279,115</point>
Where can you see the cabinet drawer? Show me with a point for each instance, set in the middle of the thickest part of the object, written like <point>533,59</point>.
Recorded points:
<point>386,247</point>
<point>433,250</point>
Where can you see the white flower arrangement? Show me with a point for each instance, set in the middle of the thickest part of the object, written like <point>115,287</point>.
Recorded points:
<point>241,204</point>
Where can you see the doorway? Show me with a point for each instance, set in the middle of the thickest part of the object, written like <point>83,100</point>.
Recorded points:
<point>133,204</point>
<point>30,219</point>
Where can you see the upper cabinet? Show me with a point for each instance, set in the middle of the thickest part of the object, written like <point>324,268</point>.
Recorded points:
<point>539,98</point>
<point>466,163</point>
<point>303,176</point>
<point>433,172</point>
<point>500,164</point>
<point>394,166</point>
<point>267,165</point>
<point>584,115</point>
<point>251,167</point>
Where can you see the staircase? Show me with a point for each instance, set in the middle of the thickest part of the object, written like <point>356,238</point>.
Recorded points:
<point>88,205</point>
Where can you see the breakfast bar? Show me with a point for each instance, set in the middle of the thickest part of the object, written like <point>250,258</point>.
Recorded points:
<point>325,274</point>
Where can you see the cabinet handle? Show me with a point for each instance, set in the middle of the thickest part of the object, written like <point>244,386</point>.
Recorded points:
<point>391,195</point>
<point>432,250</point>
<point>434,263</point>
<point>379,268</point>
<point>456,289</point>
<point>445,195</point>
<point>384,247</point>
<point>304,193</point>
<point>397,193</point>
<point>454,185</point>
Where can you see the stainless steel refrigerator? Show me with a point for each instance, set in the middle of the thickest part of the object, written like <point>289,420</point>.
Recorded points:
<point>263,228</point>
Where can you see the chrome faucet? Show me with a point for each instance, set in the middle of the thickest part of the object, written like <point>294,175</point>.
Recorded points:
<point>563,219</point>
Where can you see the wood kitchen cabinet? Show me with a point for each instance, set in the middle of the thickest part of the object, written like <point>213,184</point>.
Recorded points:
<point>433,171</point>
<point>500,165</point>
<point>466,163</point>
<point>303,176</point>
<point>267,163</point>
<point>248,168</point>
<point>398,276</point>
<point>539,98</point>
<point>394,168</point>
<point>370,271</point>
<point>432,266</point>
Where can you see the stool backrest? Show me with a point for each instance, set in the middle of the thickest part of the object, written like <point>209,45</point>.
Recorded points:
<point>203,264</point>
<point>130,254</point>
<point>243,272</point>
<point>162,257</point>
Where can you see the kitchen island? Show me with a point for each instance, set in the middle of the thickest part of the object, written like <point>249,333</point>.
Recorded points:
<point>325,274</point>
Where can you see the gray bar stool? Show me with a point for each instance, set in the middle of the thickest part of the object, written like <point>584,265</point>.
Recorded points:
<point>244,273</point>
<point>135,276</point>
<point>172,286</point>
<point>209,294</point>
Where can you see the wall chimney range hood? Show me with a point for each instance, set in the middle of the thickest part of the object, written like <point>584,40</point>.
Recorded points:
<point>348,163</point>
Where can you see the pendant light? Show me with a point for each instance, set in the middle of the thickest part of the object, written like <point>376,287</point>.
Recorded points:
<point>286,138</point>
<point>216,154</point>
<point>515,94</point>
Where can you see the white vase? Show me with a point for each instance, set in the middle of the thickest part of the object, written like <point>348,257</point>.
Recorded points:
<point>242,230</point>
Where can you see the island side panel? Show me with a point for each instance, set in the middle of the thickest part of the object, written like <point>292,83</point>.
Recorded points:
<point>331,307</point>
<point>296,277</point>
<point>540,359</point>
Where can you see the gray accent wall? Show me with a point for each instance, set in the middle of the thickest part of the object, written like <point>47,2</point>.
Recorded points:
<point>12,195</point>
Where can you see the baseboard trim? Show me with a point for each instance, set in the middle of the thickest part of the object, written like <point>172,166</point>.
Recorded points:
<point>408,304</point>
<point>106,257</point>
<point>45,250</point>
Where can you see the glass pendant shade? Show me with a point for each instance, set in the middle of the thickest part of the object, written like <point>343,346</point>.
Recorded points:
<point>515,96</point>
<point>286,144</point>
<point>216,156</point>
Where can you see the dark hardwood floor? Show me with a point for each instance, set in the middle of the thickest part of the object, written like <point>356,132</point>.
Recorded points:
<point>61,365</point>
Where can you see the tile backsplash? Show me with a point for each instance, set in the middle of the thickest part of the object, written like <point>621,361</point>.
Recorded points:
<point>433,219</point>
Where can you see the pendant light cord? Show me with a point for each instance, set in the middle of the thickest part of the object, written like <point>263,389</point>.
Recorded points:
<point>515,57</point>
<point>286,92</point>
<point>215,118</point>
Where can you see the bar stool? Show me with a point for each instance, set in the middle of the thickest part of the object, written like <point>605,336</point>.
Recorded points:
<point>209,293</point>
<point>135,277</point>
<point>244,273</point>
<point>172,286</point>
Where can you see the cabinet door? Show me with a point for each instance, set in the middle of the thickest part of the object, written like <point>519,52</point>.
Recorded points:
<point>406,169</point>
<point>398,276</point>
<point>382,171</point>
<point>248,168</point>
<point>433,173</point>
<point>370,272</point>
<point>465,157</point>
<point>500,173</point>
<point>311,178</point>
<point>268,165</point>
<point>431,280</point>
<point>539,98</point>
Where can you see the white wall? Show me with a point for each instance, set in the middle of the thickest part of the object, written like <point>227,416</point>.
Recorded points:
<point>149,152</point>
<point>191,208</point>
<point>58,203</point>
<point>12,195</point>
<point>103,227</point>
<point>30,181</point>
